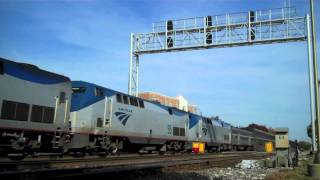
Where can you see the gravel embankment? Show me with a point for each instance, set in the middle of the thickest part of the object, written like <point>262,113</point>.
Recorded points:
<point>246,170</point>
<point>213,174</point>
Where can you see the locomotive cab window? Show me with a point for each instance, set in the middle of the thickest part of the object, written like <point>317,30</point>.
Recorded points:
<point>170,111</point>
<point>98,92</point>
<point>119,99</point>
<point>79,90</point>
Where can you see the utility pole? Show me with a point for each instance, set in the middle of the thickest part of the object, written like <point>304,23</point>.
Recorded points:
<point>314,168</point>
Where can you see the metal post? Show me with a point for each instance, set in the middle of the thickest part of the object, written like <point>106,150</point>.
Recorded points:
<point>133,70</point>
<point>137,75</point>
<point>315,64</point>
<point>249,28</point>
<point>205,24</point>
<point>311,88</point>
<point>166,40</point>
<point>130,65</point>
<point>314,168</point>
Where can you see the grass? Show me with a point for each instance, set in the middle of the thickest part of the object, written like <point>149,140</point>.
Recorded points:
<point>299,172</point>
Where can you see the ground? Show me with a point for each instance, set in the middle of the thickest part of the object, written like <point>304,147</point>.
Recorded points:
<point>299,172</point>
<point>234,173</point>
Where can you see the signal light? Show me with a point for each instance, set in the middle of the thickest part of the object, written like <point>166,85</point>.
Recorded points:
<point>169,25</point>
<point>252,34</point>
<point>209,21</point>
<point>169,42</point>
<point>252,16</point>
<point>209,38</point>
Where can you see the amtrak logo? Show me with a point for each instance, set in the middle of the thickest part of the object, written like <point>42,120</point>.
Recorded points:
<point>123,117</point>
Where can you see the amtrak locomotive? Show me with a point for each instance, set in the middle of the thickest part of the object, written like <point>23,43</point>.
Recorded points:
<point>35,108</point>
<point>43,112</point>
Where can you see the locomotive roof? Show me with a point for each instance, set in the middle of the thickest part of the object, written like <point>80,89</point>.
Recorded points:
<point>111,92</point>
<point>31,72</point>
<point>107,92</point>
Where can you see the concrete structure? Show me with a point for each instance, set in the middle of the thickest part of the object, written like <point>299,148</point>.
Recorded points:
<point>282,147</point>
<point>178,102</point>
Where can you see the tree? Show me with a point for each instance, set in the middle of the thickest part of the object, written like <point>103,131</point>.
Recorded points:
<point>304,145</point>
<point>309,131</point>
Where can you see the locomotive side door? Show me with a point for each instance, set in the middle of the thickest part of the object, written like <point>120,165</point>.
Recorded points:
<point>108,112</point>
<point>60,111</point>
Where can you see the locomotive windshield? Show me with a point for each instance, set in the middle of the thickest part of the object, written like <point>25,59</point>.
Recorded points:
<point>78,90</point>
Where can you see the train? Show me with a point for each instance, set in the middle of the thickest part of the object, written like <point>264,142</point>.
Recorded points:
<point>45,112</point>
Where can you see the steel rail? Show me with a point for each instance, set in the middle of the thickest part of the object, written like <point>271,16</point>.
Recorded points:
<point>87,166</point>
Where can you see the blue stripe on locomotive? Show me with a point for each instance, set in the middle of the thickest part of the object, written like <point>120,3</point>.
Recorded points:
<point>31,73</point>
<point>193,120</point>
<point>88,97</point>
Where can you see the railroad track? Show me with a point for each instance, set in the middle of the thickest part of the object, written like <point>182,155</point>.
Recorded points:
<point>93,165</point>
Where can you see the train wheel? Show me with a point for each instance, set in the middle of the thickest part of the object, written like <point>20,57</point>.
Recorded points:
<point>90,151</point>
<point>61,152</point>
<point>17,157</point>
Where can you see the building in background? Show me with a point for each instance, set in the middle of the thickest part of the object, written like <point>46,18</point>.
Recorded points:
<point>261,128</point>
<point>178,102</point>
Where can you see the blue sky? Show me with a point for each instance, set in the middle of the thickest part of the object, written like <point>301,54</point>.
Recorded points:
<point>90,40</point>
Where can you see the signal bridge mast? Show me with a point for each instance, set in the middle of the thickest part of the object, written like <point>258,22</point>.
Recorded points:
<point>219,31</point>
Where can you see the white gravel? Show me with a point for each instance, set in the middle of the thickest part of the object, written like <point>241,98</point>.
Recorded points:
<point>246,170</point>
<point>235,173</point>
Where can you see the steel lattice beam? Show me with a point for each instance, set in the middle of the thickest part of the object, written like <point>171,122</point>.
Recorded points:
<point>240,29</point>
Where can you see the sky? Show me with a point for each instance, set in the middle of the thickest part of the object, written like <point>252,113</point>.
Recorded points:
<point>90,40</point>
